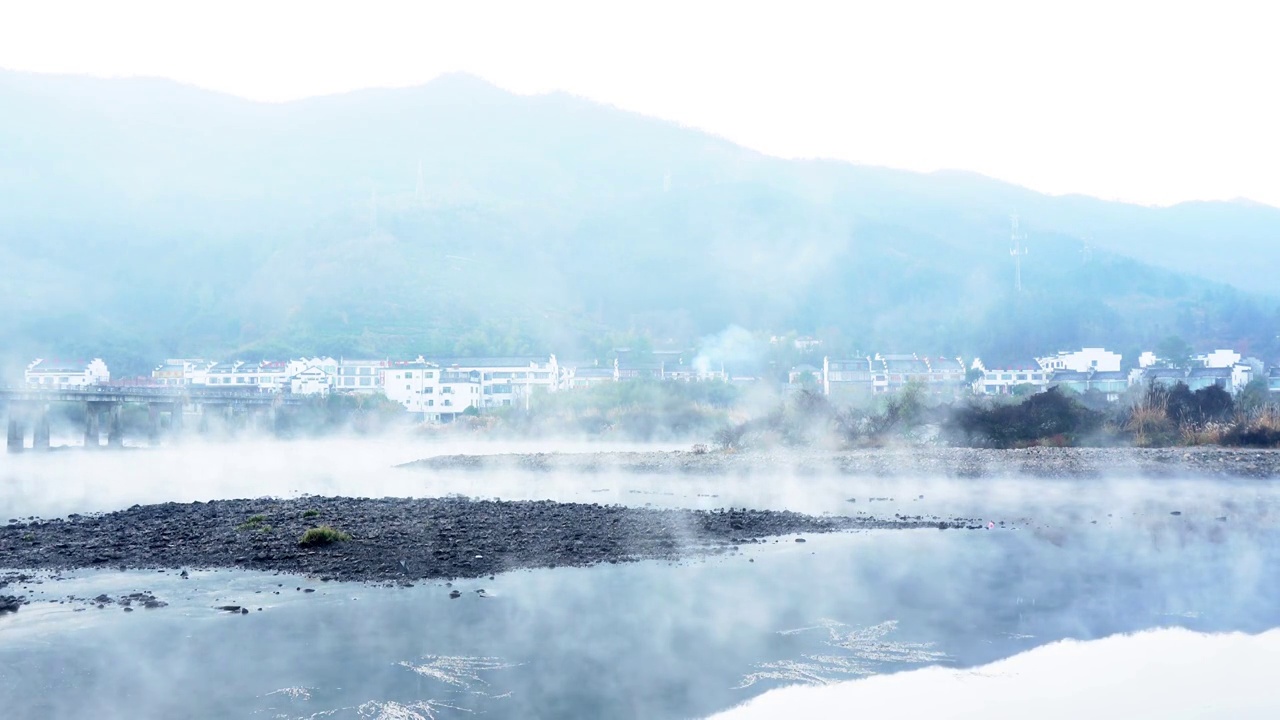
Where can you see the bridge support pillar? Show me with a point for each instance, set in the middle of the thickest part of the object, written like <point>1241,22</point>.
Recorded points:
<point>153,424</point>
<point>16,440</point>
<point>41,439</point>
<point>175,418</point>
<point>115,427</point>
<point>92,438</point>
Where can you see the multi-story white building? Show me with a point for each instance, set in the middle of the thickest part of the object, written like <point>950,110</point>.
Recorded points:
<point>1083,361</point>
<point>267,376</point>
<point>310,381</point>
<point>311,376</point>
<point>508,381</point>
<point>63,375</point>
<point>360,376</point>
<point>439,394</point>
<point>1000,377</point>
<point>414,384</point>
<point>182,372</point>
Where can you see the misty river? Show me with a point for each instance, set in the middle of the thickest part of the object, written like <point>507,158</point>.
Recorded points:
<point>1082,559</point>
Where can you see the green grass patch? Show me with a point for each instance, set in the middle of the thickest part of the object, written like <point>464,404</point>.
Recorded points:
<point>311,513</point>
<point>256,523</point>
<point>322,535</point>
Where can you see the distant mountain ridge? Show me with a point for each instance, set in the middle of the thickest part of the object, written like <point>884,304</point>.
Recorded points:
<point>144,218</point>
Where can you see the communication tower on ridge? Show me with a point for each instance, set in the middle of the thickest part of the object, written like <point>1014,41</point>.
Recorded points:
<point>1017,251</point>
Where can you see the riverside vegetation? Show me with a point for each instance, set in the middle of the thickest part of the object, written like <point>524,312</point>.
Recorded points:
<point>1151,416</point>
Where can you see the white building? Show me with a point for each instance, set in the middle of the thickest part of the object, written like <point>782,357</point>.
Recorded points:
<point>360,376</point>
<point>1083,361</point>
<point>1218,359</point>
<point>1000,377</point>
<point>268,375</point>
<point>458,391</point>
<point>508,381</point>
<point>414,384</point>
<point>311,381</point>
<point>182,372</point>
<point>63,375</point>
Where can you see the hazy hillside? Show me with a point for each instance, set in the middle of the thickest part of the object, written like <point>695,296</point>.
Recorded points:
<point>139,218</point>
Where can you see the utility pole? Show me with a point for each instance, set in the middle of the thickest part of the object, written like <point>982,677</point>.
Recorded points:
<point>1017,251</point>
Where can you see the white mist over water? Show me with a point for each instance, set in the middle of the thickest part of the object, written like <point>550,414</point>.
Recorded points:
<point>77,481</point>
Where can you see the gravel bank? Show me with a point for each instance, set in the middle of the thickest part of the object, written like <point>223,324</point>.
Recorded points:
<point>400,539</point>
<point>893,462</point>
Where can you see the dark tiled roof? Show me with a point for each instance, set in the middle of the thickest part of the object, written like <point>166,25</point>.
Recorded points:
<point>593,372</point>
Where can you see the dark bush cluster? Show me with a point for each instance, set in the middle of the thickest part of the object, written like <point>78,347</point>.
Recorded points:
<point>1048,418</point>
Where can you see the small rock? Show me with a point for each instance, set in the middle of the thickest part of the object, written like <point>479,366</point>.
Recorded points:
<point>455,594</point>
<point>800,540</point>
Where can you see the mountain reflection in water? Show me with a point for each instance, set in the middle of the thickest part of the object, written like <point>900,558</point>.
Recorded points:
<point>1169,673</point>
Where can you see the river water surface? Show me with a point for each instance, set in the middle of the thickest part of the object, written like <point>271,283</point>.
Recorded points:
<point>1072,560</point>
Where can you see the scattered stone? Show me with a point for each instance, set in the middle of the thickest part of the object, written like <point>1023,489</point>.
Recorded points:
<point>455,594</point>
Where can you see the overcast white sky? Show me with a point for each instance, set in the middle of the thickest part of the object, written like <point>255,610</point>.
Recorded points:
<point>1150,102</point>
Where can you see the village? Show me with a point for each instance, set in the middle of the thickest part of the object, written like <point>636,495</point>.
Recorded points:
<point>440,389</point>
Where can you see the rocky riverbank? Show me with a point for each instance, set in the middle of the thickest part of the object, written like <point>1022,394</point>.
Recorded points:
<point>400,539</point>
<point>926,461</point>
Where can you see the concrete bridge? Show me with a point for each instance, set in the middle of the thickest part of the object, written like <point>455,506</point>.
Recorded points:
<point>30,406</point>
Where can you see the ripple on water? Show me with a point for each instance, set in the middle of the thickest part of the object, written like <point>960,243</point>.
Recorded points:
<point>459,676</point>
<point>865,650</point>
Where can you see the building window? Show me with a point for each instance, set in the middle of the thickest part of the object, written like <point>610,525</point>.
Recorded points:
<point>407,376</point>
<point>428,375</point>
<point>448,402</point>
<point>431,403</point>
<point>447,390</point>
<point>365,382</point>
<point>429,390</point>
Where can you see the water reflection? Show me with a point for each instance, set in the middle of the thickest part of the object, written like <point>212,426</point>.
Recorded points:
<point>648,640</point>
<point>1169,673</point>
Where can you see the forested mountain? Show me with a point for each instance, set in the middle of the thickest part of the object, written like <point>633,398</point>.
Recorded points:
<point>140,218</point>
